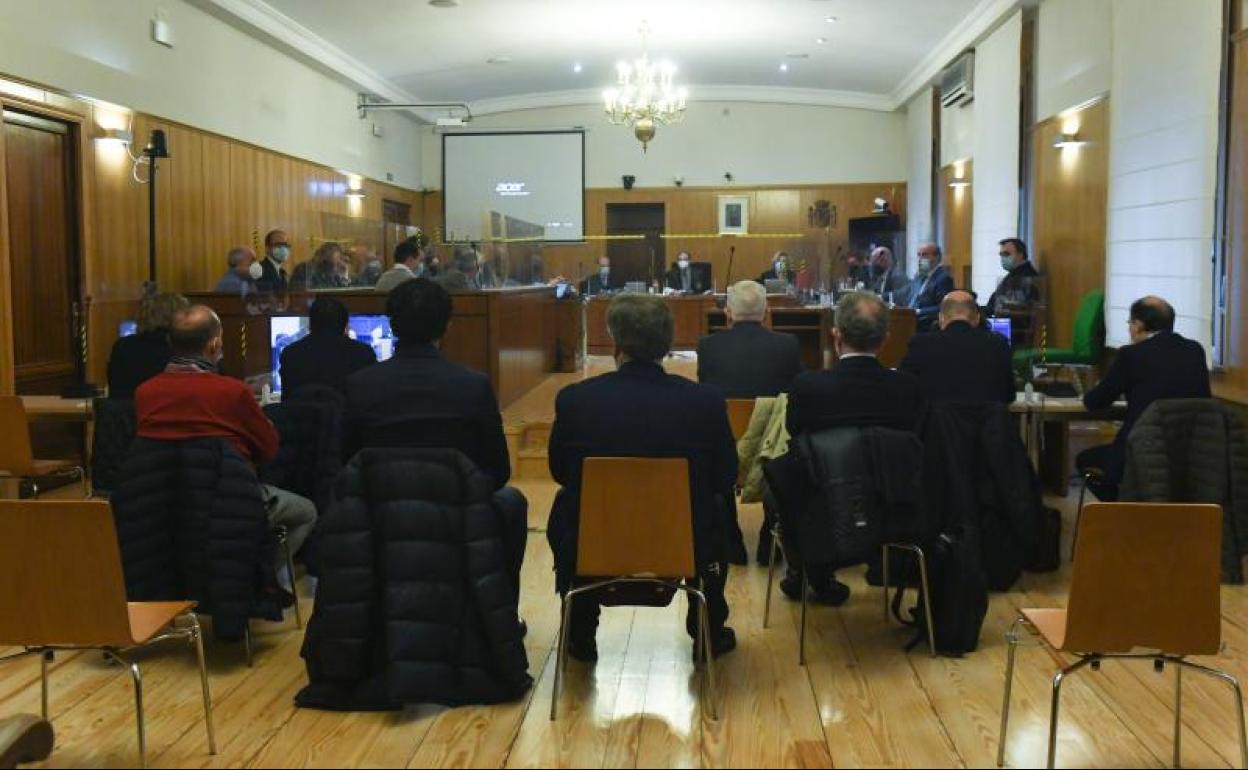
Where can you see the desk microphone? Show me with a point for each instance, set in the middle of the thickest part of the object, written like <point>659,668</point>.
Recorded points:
<point>732,253</point>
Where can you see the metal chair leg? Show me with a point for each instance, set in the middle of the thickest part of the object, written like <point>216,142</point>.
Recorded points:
<point>708,657</point>
<point>927,600</point>
<point>247,649</point>
<point>801,642</point>
<point>1011,638</point>
<point>1178,716</point>
<point>1056,702</point>
<point>1239,703</point>
<point>45,658</point>
<point>1074,537</point>
<point>771,575</point>
<point>884,559</point>
<point>561,653</point>
<point>137,676</point>
<point>197,639</point>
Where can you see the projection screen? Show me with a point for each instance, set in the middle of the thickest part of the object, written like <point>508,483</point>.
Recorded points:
<point>536,178</point>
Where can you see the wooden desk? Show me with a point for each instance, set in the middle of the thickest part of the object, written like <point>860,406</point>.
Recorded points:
<point>811,325</point>
<point>689,314</point>
<point>57,408</point>
<point>510,334</point>
<point>1046,433</point>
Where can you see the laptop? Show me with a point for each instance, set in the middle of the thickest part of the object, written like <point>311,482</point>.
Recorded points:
<point>1001,326</point>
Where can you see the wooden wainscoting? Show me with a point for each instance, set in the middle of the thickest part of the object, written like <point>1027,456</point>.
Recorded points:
<point>957,216</point>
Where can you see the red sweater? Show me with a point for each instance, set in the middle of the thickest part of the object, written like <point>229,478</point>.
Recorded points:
<point>184,405</point>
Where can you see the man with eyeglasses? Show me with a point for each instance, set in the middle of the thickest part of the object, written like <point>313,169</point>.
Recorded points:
<point>1018,292</point>
<point>276,252</point>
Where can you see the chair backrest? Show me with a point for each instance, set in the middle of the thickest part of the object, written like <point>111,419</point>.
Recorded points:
<point>60,566</point>
<point>740,410</point>
<point>1090,325</point>
<point>636,518</point>
<point>1147,576</point>
<point>16,456</point>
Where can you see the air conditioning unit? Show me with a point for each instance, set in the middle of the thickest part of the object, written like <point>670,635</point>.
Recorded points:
<point>957,82</point>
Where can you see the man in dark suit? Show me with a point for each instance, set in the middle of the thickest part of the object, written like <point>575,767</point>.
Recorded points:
<point>420,399</point>
<point>886,279</point>
<point>276,252</point>
<point>601,282</point>
<point>858,392</point>
<point>642,411</point>
<point>1019,291</point>
<point>748,360</point>
<point>1158,364</point>
<point>689,277</point>
<point>780,270</point>
<point>327,356</point>
<point>931,283</point>
<point>962,362</point>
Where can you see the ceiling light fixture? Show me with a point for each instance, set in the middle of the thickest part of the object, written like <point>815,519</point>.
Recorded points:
<point>820,40</point>
<point>784,67</point>
<point>831,19</point>
<point>498,60</point>
<point>577,68</point>
<point>444,3</point>
<point>645,95</point>
<point>1065,140</point>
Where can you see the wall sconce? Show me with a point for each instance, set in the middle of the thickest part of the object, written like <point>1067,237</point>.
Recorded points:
<point>960,183</point>
<point>118,135</point>
<point>355,194</point>
<point>1070,139</point>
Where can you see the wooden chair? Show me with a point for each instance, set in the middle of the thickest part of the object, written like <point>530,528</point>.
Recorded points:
<point>636,526</point>
<point>740,410</point>
<point>16,457</point>
<point>72,595</point>
<point>1145,586</point>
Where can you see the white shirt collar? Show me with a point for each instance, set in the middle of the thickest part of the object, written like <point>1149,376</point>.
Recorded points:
<point>857,355</point>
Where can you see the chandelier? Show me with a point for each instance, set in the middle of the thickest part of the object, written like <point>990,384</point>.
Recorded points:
<point>644,96</point>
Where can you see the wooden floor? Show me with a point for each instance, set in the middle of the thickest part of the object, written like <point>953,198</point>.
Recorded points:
<point>862,701</point>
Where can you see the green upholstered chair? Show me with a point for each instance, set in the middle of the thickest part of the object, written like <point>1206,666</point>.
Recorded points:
<point>1089,343</point>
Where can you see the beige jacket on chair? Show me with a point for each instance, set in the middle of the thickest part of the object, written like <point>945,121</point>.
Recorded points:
<point>765,439</point>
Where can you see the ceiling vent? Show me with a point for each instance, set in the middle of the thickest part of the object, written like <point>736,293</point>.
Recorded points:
<point>957,82</point>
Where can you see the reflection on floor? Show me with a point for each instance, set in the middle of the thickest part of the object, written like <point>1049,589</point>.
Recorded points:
<point>862,701</point>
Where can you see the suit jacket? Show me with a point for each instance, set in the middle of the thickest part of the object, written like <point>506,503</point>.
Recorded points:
<point>135,360</point>
<point>749,361</point>
<point>699,278</point>
<point>893,282</point>
<point>642,411</point>
<point>233,283</point>
<point>771,275</point>
<point>962,363</point>
<point>1017,292</point>
<point>274,280</point>
<point>1164,366</point>
<point>419,384</point>
<point>858,392</point>
<point>926,295</point>
<point>323,359</point>
<point>594,285</point>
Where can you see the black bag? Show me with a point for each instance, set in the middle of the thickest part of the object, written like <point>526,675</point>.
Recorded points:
<point>1049,555</point>
<point>959,597</point>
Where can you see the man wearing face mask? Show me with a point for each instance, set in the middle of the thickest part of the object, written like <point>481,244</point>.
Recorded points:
<point>244,271</point>
<point>688,278</point>
<point>274,279</point>
<point>1019,291</point>
<point>932,282</point>
<point>190,400</point>
<point>600,282</point>
<point>779,270</point>
<point>884,280</point>
<point>408,263</point>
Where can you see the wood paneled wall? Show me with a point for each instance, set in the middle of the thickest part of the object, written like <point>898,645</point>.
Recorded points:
<point>1070,211</point>
<point>694,211</point>
<point>213,193</point>
<point>957,216</point>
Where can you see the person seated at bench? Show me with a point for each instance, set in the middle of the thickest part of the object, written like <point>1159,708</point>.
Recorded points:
<point>327,356</point>
<point>962,362</point>
<point>143,355</point>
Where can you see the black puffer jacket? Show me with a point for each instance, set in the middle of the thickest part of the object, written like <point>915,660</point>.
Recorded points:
<point>1193,451</point>
<point>414,603</point>
<point>115,426</point>
<point>977,477</point>
<point>192,524</point>
<point>310,456</point>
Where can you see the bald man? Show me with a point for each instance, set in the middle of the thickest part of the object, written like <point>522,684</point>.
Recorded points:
<point>243,273</point>
<point>1158,363</point>
<point>191,400</point>
<point>961,362</point>
<point>931,283</point>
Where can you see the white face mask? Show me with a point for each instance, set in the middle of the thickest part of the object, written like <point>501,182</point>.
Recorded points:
<point>925,266</point>
<point>1007,263</point>
<point>682,264</point>
<point>281,254</point>
<point>256,271</point>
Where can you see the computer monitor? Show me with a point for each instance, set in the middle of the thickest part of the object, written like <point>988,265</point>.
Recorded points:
<point>375,331</point>
<point>1001,326</point>
<point>128,328</point>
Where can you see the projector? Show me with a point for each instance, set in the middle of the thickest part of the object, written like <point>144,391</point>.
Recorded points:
<point>451,123</point>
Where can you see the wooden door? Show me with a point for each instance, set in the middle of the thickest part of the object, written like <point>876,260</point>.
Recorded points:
<point>43,251</point>
<point>636,260</point>
<point>396,219</point>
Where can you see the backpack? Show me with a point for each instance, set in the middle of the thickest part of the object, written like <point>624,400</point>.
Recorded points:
<point>959,597</point>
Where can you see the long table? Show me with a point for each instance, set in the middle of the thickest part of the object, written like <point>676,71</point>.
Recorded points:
<point>513,335</point>
<point>1046,432</point>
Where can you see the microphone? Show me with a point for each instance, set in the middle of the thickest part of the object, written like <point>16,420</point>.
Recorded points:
<point>732,253</point>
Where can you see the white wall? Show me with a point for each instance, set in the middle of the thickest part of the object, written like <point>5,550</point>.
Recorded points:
<point>1072,54</point>
<point>1163,159</point>
<point>919,225</point>
<point>757,143</point>
<point>995,181</point>
<point>957,132</point>
<point>216,78</point>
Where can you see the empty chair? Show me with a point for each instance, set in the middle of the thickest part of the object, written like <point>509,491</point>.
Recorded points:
<point>636,526</point>
<point>74,595</point>
<point>1145,586</point>
<point>16,456</point>
<point>740,410</point>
